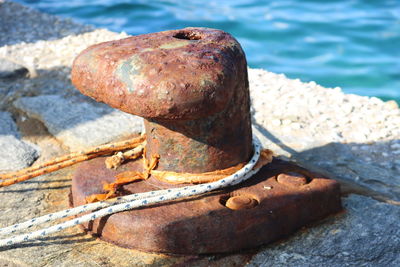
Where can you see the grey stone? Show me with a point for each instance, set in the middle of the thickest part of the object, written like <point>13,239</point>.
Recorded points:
<point>79,124</point>
<point>359,237</point>
<point>339,160</point>
<point>7,125</point>
<point>11,70</point>
<point>14,153</point>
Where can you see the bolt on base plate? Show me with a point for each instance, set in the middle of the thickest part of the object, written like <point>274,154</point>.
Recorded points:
<point>278,200</point>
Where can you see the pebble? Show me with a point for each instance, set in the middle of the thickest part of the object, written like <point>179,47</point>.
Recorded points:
<point>286,122</point>
<point>276,122</point>
<point>392,104</point>
<point>8,126</point>
<point>15,153</point>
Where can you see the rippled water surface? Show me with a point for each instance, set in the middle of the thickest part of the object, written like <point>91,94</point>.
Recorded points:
<point>354,44</point>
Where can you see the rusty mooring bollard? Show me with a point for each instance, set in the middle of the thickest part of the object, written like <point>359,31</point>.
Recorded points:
<point>191,87</point>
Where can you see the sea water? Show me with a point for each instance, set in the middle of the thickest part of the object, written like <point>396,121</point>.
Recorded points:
<point>353,44</point>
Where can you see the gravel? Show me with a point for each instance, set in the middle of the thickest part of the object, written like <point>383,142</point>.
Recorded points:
<point>320,115</point>
<point>348,137</point>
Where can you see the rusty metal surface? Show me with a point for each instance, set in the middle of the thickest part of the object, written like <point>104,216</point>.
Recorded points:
<point>191,86</point>
<point>204,224</point>
<point>201,145</point>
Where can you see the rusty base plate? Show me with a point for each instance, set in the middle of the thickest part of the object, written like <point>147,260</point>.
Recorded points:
<point>274,203</point>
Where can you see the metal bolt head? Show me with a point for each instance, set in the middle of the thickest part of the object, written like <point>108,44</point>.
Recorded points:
<point>292,179</point>
<point>241,202</point>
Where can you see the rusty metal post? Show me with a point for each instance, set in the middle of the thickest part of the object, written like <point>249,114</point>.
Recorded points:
<point>191,87</point>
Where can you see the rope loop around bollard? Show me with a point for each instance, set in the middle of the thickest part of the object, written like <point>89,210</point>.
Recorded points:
<point>128,202</point>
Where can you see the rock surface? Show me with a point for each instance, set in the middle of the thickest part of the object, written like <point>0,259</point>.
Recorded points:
<point>50,62</point>
<point>351,138</point>
<point>8,126</point>
<point>28,25</point>
<point>15,154</point>
<point>358,237</point>
<point>79,124</point>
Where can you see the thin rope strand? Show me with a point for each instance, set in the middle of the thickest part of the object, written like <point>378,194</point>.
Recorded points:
<point>99,150</point>
<point>47,170</point>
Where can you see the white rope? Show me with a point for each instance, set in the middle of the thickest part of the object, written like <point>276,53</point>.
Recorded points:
<point>128,202</point>
<point>75,211</point>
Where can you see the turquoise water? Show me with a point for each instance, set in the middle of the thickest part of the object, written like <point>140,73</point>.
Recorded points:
<point>354,44</point>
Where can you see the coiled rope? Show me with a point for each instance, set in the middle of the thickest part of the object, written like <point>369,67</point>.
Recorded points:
<point>128,202</point>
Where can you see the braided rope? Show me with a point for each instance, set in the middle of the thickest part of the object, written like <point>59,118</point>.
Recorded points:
<point>126,203</point>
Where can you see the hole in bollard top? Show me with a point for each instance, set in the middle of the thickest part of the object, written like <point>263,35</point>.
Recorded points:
<point>187,36</point>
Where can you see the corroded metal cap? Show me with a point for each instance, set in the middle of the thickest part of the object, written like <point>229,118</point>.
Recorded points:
<point>177,74</point>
